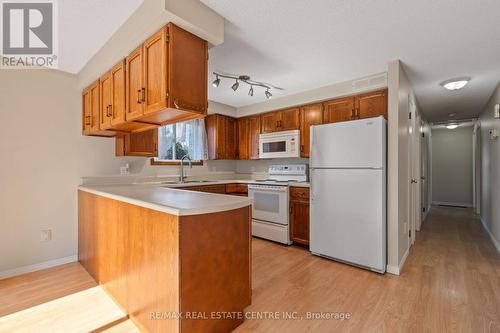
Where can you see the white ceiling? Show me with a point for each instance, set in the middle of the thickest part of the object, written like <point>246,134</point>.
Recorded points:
<point>85,26</point>
<point>301,45</point>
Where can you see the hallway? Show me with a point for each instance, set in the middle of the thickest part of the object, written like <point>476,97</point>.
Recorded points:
<point>450,283</point>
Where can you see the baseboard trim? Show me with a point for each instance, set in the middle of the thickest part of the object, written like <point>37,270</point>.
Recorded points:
<point>495,242</point>
<point>396,270</point>
<point>36,267</point>
<point>457,204</point>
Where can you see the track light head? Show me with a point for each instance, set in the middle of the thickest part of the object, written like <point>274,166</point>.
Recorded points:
<point>268,94</point>
<point>250,92</point>
<point>216,81</point>
<point>235,85</point>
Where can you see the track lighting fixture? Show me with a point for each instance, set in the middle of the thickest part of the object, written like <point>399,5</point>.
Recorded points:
<point>245,79</point>
<point>268,94</point>
<point>216,81</point>
<point>235,85</point>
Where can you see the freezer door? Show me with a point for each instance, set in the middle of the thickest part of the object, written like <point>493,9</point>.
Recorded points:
<point>348,216</point>
<point>350,144</point>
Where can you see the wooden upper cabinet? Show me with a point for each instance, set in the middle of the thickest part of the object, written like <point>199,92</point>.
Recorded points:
<point>243,138</point>
<point>167,78</point>
<point>134,85</point>
<point>86,115</point>
<point>118,94</point>
<point>254,130</point>
<point>105,91</point>
<point>289,119</point>
<point>143,143</point>
<point>309,115</point>
<point>222,137</point>
<point>372,104</point>
<point>341,109</point>
<point>269,122</point>
<point>154,93</point>
<point>282,120</point>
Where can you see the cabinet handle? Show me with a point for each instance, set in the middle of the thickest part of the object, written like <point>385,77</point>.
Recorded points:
<point>111,110</point>
<point>353,113</point>
<point>301,148</point>
<point>143,94</point>
<point>87,122</point>
<point>139,96</point>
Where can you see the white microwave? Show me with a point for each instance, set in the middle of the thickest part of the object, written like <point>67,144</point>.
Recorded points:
<point>283,144</point>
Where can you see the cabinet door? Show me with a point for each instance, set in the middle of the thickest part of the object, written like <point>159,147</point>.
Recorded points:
<point>155,73</point>
<point>371,105</point>
<point>288,119</point>
<point>118,94</point>
<point>142,143</point>
<point>94,106</point>
<point>134,85</point>
<point>86,115</point>
<point>269,122</point>
<point>309,115</point>
<point>254,132</point>
<point>299,222</point>
<point>243,139</point>
<point>105,101</point>
<point>339,110</point>
<point>230,139</point>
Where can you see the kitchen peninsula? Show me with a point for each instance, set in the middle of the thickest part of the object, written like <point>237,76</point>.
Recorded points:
<point>170,258</point>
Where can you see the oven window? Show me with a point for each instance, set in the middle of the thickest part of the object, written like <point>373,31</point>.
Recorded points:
<point>274,147</point>
<point>266,202</point>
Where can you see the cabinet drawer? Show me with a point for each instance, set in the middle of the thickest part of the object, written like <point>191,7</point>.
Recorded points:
<point>299,193</point>
<point>236,189</point>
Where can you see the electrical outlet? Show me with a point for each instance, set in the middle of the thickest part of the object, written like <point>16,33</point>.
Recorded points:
<point>46,235</point>
<point>497,111</point>
<point>493,134</point>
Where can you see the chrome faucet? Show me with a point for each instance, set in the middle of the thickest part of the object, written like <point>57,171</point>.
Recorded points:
<point>182,177</point>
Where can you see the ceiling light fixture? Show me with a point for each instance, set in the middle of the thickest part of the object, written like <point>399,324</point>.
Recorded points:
<point>216,81</point>
<point>452,114</point>
<point>246,79</point>
<point>455,84</point>
<point>235,85</point>
<point>268,94</point>
<point>451,126</point>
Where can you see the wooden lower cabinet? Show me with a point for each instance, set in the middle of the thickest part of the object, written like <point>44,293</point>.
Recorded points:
<point>153,263</point>
<point>237,189</point>
<point>299,215</point>
<point>220,189</point>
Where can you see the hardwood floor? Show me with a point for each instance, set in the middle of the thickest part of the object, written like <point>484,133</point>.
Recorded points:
<point>450,283</point>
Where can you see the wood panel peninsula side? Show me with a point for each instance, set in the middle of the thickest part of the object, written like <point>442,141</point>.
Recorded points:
<point>173,260</point>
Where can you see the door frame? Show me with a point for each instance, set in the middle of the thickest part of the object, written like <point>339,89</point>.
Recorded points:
<point>476,168</point>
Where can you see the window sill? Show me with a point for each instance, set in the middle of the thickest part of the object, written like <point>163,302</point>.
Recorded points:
<point>159,163</point>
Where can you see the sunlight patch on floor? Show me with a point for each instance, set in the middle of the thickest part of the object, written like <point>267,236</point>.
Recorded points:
<point>84,311</point>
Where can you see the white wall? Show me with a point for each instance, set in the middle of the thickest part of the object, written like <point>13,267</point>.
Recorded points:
<point>43,157</point>
<point>490,175</point>
<point>452,166</point>
<point>400,94</point>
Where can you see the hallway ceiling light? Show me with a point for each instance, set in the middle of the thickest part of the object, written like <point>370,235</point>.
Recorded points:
<point>451,126</point>
<point>246,79</point>
<point>455,84</point>
<point>452,114</point>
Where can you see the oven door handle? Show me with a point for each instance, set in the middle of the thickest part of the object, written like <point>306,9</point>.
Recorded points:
<point>261,189</point>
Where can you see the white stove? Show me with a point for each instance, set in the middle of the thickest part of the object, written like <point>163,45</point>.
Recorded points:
<point>270,208</point>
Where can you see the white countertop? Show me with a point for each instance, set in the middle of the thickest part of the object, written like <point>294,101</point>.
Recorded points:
<point>170,200</point>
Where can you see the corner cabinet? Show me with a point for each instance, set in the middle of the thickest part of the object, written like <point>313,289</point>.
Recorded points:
<point>248,137</point>
<point>299,215</point>
<point>222,137</point>
<point>166,79</point>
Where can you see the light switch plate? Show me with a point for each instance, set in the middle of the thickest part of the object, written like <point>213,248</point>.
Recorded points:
<point>493,134</point>
<point>46,235</point>
<point>497,111</point>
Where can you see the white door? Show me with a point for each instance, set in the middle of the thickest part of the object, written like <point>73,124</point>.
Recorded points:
<point>348,216</point>
<point>351,144</point>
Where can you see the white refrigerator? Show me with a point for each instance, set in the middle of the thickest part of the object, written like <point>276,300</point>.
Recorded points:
<point>348,192</point>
